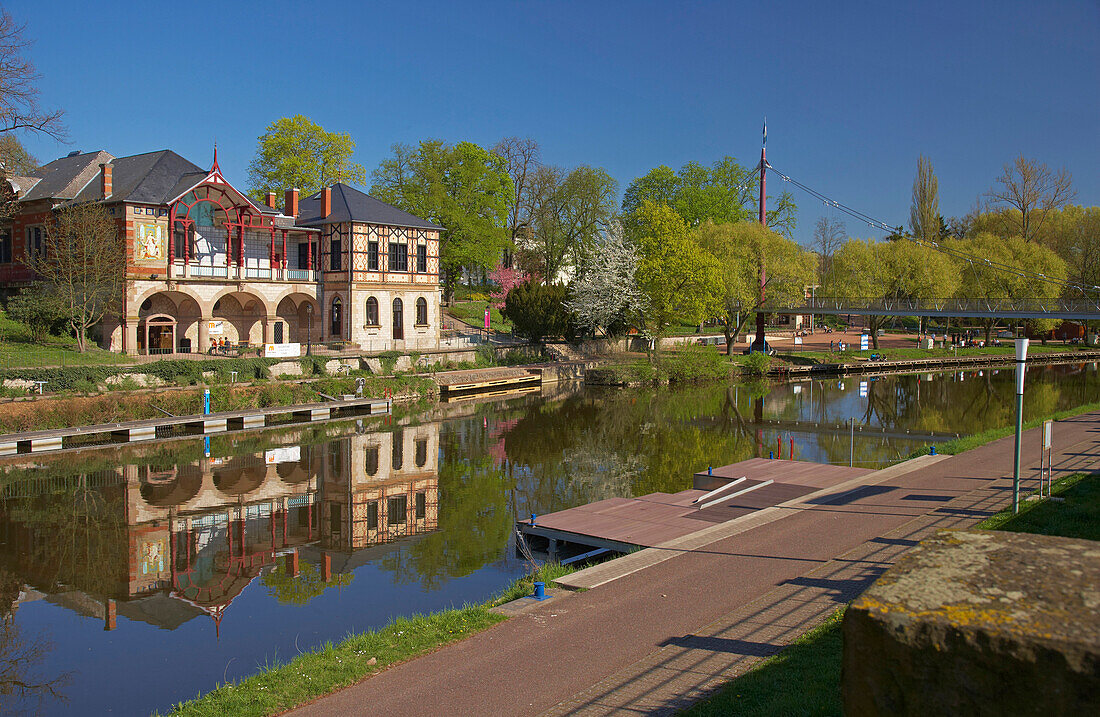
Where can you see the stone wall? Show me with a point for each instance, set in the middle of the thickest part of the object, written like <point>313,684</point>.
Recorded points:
<point>978,622</point>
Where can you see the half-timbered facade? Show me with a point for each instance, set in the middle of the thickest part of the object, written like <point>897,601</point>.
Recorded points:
<point>207,265</point>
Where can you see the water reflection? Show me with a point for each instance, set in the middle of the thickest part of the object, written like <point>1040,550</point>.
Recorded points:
<point>164,562</point>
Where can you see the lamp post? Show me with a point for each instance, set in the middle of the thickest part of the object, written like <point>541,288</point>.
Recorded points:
<point>1021,368</point>
<point>309,330</point>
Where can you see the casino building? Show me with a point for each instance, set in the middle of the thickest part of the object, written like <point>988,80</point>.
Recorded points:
<point>207,263</point>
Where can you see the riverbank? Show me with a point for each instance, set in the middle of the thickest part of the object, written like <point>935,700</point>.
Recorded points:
<point>281,686</point>
<point>813,661</point>
<point>712,626</point>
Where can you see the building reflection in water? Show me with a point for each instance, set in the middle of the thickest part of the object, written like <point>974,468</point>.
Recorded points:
<point>166,545</point>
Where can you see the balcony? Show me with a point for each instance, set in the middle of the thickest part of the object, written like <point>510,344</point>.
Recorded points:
<point>196,270</point>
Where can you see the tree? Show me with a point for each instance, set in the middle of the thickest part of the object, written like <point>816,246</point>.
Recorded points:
<point>521,159</point>
<point>464,188</point>
<point>924,215</point>
<point>607,296</point>
<point>1032,189</point>
<point>829,234</point>
<point>84,265</point>
<point>298,152</point>
<point>725,192</point>
<point>38,308</point>
<point>890,270</point>
<point>538,310</point>
<point>14,158</point>
<point>568,211</point>
<point>743,251</point>
<point>505,278</point>
<point>19,94</point>
<point>1013,276</point>
<point>677,277</point>
<point>299,589</point>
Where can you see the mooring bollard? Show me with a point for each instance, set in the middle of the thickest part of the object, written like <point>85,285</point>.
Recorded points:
<point>710,470</point>
<point>931,450</point>
<point>779,446</point>
<point>771,455</point>
<point>540,591</point>
<point>791,457</point>
<point>532,519</point>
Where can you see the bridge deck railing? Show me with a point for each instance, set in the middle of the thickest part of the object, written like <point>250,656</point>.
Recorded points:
<point>971,306</point>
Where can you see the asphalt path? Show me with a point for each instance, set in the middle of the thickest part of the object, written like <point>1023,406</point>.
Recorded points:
<point>650,630</point>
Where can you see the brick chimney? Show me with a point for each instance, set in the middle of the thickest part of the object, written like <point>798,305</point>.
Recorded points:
<point>107,179</point>
<point>269,200</point>
<point>326,202</point>
<point>290,203</point>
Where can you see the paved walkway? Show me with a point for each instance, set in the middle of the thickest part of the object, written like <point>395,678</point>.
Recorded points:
<point>658,639</point>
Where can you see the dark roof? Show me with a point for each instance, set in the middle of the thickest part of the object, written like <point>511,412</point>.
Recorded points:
<point>150,178</point>
<point>351,205</point>
<point>64,178</point>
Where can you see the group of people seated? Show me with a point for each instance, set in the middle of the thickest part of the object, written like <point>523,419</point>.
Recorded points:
<point>221,346</point>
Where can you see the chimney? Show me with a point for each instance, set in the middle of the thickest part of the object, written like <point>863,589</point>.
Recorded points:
<point>270,200</point>
<point>290,203</point>
<point>107,180</point>
<point>326,202</point>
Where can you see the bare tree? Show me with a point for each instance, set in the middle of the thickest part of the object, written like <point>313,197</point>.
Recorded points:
<point>1031,188</point>
<point>829,234</point>
<point>924,215</point>
<point>83,264</point>
<point>19,107</point>
<point>523,159</point>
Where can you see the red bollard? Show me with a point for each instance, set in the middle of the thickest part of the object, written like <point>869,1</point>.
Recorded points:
<point>779,445</point>
<point>792,450</point>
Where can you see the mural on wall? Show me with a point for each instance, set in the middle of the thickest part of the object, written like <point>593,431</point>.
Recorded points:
<point>151,244</point>
<point>152,556</point>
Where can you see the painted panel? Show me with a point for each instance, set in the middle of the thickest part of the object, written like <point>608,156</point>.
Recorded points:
<point>151,244</point>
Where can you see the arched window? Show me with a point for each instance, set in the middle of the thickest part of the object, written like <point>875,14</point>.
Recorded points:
<point>421,312</point>
<point>372,311</point>
<point>398,319</point>
<point>337,316</point>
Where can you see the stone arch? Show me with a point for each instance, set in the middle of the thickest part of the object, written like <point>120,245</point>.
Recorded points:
<point>163,312</point>
<point>164,492</point>
<point>241,314</point>
<point>294,309</point>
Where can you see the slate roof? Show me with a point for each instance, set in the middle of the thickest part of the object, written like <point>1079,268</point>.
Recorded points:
<point>150,178</point>
<point>64,178</point>
<point>351,205</point>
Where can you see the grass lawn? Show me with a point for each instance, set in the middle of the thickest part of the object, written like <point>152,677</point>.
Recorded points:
<point>17,350</point>
<point>473,313</point>
<point>804,679</point>
<point>282,685</point>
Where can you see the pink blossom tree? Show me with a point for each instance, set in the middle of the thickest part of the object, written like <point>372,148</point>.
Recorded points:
<point>505,278</point>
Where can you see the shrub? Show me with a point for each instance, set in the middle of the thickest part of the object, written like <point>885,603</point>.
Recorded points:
<point>538,311</point>
<point>756,364</point>
<point>697,363</point>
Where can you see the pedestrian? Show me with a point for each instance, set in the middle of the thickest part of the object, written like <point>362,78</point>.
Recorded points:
<point>830,345</point>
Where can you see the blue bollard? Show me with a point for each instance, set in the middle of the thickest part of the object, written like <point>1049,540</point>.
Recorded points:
<point>710,470</point>
<point>771,454</point>
<point>206,401</point>
<point>931,450</point>
<point>532,519</point>
<point>540,591</point>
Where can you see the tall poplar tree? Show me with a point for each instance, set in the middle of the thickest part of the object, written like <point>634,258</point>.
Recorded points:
<point>924,215</point>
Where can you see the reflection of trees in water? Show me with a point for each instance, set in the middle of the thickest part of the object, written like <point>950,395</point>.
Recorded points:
<point>301,588</point>
<point>23,690</point>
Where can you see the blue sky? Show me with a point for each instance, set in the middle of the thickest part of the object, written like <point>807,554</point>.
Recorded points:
<point>853,94</point>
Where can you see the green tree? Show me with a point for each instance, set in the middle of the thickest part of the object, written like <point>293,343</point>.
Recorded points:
<point>299,589</point>
<point>38,308</point>
<point>298,152</point>
<point>83,265</point>
<point>741,252</point>
<point>722,193</point>
<point>1014,275</point>
<point>538,310</point>
<point>568,211</point>
<point>464,188</point>
<point>677,276</point>
<point>884,271</point>
<point>924,214</point>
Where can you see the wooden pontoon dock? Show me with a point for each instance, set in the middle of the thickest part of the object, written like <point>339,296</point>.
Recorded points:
<point>201,424</point>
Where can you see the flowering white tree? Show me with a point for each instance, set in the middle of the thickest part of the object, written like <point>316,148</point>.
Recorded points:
<point>607,296</point>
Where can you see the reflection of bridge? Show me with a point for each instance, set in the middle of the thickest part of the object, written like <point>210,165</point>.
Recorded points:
<point>1065,309</point>
<point>843,429</point>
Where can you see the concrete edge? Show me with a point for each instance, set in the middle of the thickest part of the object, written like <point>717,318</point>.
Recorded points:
<point>628,564</point>
<point>522,605</point>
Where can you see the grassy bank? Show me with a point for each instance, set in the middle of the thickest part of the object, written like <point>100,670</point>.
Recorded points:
<point>804,679</point>
<point>282,685</point>
<point>965,443</point>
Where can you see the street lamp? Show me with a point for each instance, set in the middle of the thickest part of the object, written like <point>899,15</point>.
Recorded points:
<point>1021,368</point>
<point>309,330</point>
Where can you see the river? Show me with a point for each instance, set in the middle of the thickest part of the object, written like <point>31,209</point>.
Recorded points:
<point>132,577</point>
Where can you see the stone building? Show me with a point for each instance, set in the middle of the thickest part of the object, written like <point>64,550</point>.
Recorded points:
<point>206,263</point>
